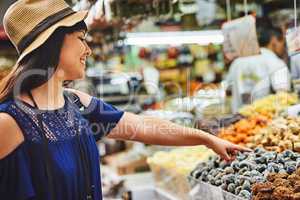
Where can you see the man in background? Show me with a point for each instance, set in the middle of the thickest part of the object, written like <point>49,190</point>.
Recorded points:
<point>257,76</point>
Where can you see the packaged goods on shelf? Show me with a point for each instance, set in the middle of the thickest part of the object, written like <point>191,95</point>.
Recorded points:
<point>170,169</point>
<point>241,131</point>
<point>186,104</point>
<point>200,102</point>
<point>248,168</point>
<point>214,103</point>
<point>129,162</point>
<point>270,105</point>
<point>195,103</point>
<point>281,134</point>
<point>112,184</point>
<point>213,95</point>
<point>181,118</point>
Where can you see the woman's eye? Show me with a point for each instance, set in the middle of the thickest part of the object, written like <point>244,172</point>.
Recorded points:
<point>82,39</point>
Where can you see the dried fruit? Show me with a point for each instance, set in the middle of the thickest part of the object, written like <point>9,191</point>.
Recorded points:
<point>280,186</point>
<point>263,188</point>
<point>270,105</point>
<point>279,135</point>
<point>240,132</point>
<point>245,194</point>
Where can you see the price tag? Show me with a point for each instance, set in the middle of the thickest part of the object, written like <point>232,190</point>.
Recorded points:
<point>206,11</point>
<point>292,35</point>
<point>240,38</point>
<point>293,41</point>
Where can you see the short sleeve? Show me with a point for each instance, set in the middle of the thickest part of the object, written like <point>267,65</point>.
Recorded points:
<point>295,67</point>
<point>280,78</point>
<point>102,117</point>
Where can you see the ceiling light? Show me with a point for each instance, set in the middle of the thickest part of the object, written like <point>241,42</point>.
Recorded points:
<point>175,38</point>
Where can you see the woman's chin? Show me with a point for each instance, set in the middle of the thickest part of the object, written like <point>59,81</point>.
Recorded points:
<point>81,75</point>
<point>81,78</point>
<point>78,76</point>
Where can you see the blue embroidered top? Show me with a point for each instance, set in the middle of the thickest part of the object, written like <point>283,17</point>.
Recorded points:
<point>23,172</point>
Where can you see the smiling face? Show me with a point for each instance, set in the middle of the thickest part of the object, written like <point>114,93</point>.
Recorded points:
<point>73,56</point>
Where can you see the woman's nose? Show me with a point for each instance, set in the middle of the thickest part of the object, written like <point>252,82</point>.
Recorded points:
<point>88,50</point>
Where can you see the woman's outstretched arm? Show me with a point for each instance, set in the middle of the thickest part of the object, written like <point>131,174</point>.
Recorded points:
<point>151,130</point>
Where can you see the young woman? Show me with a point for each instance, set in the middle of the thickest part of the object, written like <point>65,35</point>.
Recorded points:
<point>48,133</point>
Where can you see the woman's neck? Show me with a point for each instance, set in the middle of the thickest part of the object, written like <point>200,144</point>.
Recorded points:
<point>49,96</point>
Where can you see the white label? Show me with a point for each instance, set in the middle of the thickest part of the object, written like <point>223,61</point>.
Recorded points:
<point>240,38</point>
<point>293,40</point>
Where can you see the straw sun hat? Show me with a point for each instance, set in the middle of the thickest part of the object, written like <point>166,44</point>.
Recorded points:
<point>29,23</point>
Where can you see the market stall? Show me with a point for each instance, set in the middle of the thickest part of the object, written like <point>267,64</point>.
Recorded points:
<point>171,59</point>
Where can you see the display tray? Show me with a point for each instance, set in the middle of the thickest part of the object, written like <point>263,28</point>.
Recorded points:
<point>205,191</point>
<point>151,193</point>
<point>200,191</point>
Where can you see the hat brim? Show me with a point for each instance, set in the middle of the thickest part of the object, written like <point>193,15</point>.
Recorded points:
<point>41,39</point>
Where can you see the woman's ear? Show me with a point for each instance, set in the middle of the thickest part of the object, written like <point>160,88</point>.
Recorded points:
<point>273,43</point>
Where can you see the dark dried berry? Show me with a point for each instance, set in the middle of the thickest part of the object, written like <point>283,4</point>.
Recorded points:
<point>259,150</point>
<point>261,168</point>
<point>290,169</point>
<point>228,179</point>
<point>287,153</point>
<point>231,187</point>
<point>238,190</point>
<point>247,164</point>
<point>260,160</point>
<point>229,170</point>
<point>245,194</point>
<point>246,186</point>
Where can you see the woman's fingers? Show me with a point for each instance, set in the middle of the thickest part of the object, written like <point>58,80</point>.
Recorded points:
<point>231,152</point>
<point>241,149</point>
<point>226,156</point>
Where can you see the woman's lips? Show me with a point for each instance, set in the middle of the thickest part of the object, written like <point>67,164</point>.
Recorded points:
<point>83,61</point>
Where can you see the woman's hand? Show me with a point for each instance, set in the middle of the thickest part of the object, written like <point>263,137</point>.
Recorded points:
<point>225,149</point>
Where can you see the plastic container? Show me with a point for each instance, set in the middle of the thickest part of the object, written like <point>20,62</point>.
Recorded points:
<point>205,191</point>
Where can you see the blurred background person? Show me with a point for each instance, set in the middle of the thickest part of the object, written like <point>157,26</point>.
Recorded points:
<point>257,76</point>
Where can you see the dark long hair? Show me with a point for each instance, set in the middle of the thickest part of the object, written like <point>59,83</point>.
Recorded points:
<point>37,68</point>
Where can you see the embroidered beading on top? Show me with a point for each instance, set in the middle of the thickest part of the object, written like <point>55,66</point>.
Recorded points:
<point>62,124</point>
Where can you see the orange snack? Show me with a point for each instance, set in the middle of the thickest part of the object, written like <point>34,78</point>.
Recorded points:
<point>240,132</point>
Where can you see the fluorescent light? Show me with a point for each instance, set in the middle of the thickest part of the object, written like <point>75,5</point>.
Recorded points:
<point>175,38</point>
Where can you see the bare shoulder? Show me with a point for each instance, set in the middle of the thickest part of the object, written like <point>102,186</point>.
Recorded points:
<point>12,137</point>
<point>84,97</point>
